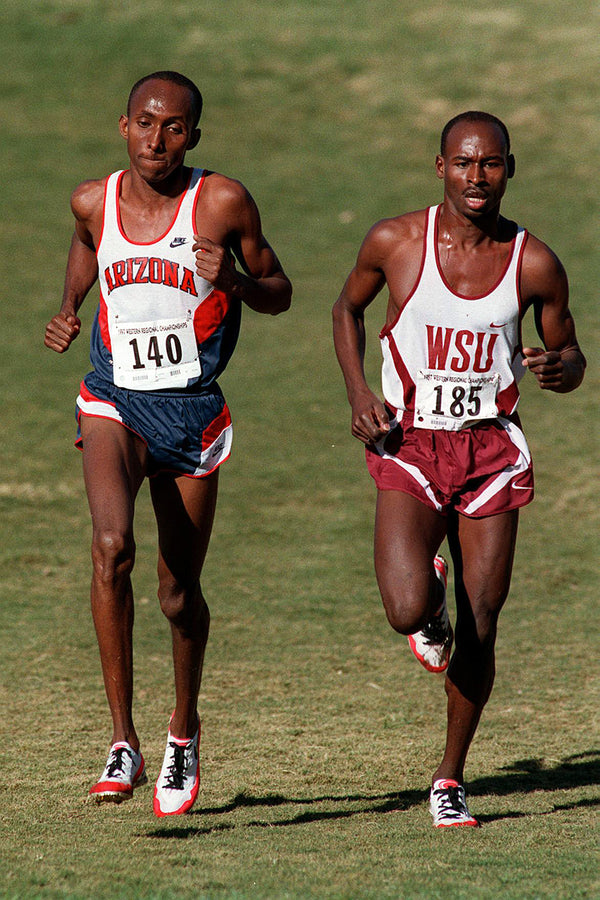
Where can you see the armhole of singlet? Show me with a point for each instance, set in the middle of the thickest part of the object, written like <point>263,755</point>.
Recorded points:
<point>104,205</point>
<point>388,328</point>
<point>518,269</point>
<point>199,187</point>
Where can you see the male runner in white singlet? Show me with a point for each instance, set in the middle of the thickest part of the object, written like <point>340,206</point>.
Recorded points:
<point>446,448</point>
<point>161,239</point>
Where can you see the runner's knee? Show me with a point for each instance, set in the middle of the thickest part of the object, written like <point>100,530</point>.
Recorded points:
<point>410,595</point>
<point>182,603</point>
<point>405,613</point>
<point>113,554</point>
<point>478,632</point>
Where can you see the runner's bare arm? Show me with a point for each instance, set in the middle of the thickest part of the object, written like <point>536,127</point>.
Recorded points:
<point>82,270</point>
<point>263,285</point>
<point>370,421</point>
<point>561,365</point>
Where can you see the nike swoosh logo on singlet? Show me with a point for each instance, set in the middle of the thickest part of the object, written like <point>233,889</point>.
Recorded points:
<point>178,241</point>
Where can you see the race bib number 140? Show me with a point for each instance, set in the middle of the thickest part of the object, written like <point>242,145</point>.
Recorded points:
<point>449,401</point>
<point>148,356</point>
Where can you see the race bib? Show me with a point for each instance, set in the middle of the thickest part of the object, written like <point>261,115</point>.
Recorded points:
<point>449,401</point>
<point>148,356</point>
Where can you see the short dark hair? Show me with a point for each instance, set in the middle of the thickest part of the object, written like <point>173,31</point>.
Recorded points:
<point>175,78</point>
<point>474,115</point>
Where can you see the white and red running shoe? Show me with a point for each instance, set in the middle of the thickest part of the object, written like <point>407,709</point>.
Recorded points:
<point>123,772</point>
<point>432,645</point>
<point>177,785</point>
<point>448,806</point>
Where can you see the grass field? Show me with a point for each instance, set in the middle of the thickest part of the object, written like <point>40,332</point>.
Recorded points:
<point>319,730</point>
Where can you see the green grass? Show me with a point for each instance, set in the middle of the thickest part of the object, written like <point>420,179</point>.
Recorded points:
<point>320,732</point>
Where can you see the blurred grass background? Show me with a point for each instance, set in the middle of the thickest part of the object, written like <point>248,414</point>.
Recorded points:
<point>319,731</point>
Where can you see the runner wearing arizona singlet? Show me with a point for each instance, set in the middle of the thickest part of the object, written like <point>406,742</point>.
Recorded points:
<point>451,362</point>
<point>446,448</point>
<point>162,239</point>
<point>161,333</point>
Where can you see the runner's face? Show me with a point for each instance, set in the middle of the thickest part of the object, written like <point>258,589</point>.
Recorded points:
<point>158,129</point>
<point>475,168</point>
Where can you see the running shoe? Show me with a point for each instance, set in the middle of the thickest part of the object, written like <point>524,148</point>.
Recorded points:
<point>432,645</point>
<point>123,772</point>
<point>448,806</point>
<point>177,786</point>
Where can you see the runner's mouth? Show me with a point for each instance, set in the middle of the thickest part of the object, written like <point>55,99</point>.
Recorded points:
<point>476,202</point>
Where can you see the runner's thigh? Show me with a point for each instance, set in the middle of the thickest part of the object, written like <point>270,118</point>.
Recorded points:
<point>407,537</point>
<point>114,464</point>
<point>483,552</point>
<point>184,509</point>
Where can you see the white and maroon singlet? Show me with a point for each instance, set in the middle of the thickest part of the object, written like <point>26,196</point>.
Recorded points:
<point>450,360</point>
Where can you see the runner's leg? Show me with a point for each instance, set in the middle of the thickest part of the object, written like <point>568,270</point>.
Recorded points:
<point>114,461</point>
<point>184,509</point>
<point>483,552</point>
<point>407,537</point>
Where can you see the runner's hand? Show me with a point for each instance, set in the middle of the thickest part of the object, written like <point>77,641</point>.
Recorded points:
<point>370,421</point>
<point>546,365</point>
<point>214,263</point>
<point>61,331</point>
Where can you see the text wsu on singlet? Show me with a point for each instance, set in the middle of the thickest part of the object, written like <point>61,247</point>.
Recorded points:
<point>159,325</point>
<point>450,360</point>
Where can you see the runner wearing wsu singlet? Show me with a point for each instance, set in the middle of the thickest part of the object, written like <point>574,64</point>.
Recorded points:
<point>161,239</point>
<point>446,448</point>
<point>451,361</point>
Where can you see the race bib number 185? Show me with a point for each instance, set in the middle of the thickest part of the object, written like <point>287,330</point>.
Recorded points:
<point>148,356</point>
<point>448,401</point>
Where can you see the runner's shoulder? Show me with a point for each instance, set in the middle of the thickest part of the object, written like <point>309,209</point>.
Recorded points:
<point>396,236</point>
<point>88,198</point>
<point>408,227</point>
<point>542,272</point>
<point>225,191</point>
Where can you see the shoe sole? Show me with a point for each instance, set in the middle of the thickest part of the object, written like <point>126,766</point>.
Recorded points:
<point>116,794</point>
<point>184,808</point>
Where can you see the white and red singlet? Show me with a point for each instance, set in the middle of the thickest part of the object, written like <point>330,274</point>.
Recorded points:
<point>159,325</point>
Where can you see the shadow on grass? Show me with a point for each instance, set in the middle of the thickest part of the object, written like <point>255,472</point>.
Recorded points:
<point>521,777</point>
<point>527,776</point>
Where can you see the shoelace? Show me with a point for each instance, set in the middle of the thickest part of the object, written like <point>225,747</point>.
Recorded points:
<point>174,779</point>
<point>434,631</point>
<point>450,802</point>
<point>115,765</point>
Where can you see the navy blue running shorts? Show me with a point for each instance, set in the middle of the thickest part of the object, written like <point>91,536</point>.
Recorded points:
<point>189,434</point>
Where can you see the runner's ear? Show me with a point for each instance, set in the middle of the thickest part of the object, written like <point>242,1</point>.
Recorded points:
<point>194,138</point>
<point>511,165</point>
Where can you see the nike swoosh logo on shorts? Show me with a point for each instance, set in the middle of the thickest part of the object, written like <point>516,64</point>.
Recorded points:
<point>520,487</point>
